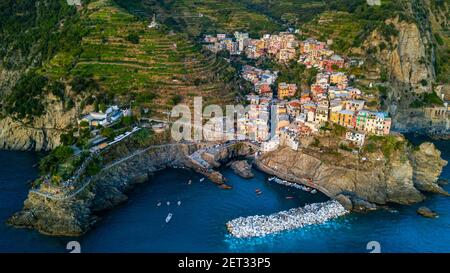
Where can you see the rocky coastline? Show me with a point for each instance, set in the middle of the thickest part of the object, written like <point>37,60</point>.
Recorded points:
<point>398,179</point>
<point>75,216</point>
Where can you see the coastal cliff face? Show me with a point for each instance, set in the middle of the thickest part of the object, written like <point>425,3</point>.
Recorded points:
<point>405,57</point>
<point>408,61</point>
<point>40,134</point>
<point>398,179</point>
<point>75,216</point>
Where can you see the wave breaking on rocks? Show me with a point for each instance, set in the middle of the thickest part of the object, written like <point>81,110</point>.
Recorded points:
<point>261,225</point>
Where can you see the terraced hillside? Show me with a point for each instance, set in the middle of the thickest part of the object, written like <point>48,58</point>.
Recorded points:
<point>154,67</point>
<point>206,16</point>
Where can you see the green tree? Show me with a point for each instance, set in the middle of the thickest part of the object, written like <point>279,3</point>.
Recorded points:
<point>133,38</point>
<point>174,100</point>
<point>127,121</point>
<point>107,132</point>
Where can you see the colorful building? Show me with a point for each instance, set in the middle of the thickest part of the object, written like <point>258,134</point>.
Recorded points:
<point>286,90</point>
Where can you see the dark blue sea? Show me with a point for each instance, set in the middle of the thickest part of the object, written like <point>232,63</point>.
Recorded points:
<point>198,224</point>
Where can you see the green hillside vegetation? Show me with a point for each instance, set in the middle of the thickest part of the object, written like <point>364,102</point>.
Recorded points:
<point>442,39</point>
<point>349,25</point>
<point>32,32</point>
<point>207,16</point>
<point>117,57</point>
<point>289,12</point>
<point>125,56</point>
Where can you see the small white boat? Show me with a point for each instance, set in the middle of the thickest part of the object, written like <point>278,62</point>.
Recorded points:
<point>314,191</point>
<point>168,203</point>
<point>190,182</point>
<point>179,203</point>
<point>201,179</point>
<point>169,216</point>
<point>159,204</point>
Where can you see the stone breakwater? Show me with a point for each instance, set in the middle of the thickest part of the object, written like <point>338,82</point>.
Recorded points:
<point>257,226</point>
<point>293,185</point>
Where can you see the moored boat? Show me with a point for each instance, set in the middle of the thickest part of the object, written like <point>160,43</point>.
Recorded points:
<point>169,216</point>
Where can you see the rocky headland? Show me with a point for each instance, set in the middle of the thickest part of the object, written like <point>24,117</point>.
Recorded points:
<point>362,183</point>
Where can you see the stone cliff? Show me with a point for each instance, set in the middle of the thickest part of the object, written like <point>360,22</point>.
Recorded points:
<point>397,179</point>
<point>40,134</point>
<point>75,216</point>
<point>408,62</point>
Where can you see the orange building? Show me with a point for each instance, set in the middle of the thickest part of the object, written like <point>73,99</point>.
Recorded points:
<point>346,118</point>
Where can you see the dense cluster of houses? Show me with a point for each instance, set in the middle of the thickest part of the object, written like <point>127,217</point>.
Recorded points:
<point>330,100</point>
<point>316,54</point>
<point>262,80</point>
<point>255,123</point>
<point>283,46</point>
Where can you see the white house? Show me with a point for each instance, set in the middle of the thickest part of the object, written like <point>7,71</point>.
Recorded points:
<point>95,119</point>
<point>374,2</point>
<point>74,2</point>
<point>289,138</point>
<point>112,109</point>
<point>270,145</point>
<point>311,116</point>
<point>355,137</point>
<point>301,118</point>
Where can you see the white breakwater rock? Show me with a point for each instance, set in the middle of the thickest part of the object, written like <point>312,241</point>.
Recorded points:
<point>289,184</point>
<point>310,214</point>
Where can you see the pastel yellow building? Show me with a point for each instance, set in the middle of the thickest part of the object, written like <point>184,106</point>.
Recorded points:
<point>286,90</point>
<point>334,116</point>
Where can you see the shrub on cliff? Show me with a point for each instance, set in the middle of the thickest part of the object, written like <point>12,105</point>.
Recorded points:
<point>25,99</point>
<point>426,100</point>
<point>142,137</point>
<point>93,167</point>
<point>50,163</point>
<point>80,84</point>
<point>108,132</point>
<point>386,144</point>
